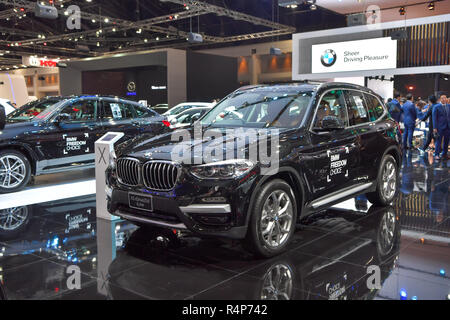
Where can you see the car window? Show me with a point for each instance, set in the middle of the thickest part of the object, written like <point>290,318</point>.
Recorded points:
<point>263,109</point>
<point>357,111</point>
<point>35,109</point>
<point>80,111</point>
<point>186,116</point>
<point>179,109</point>
<point>143,112</point>
<point>376,109</point>
<point>332,104</point>
<point>117,110</point>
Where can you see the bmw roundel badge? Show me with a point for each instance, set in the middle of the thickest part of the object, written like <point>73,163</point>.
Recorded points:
<point>328,58</point>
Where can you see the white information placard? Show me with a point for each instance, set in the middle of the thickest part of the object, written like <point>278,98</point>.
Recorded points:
<point>371,54</point>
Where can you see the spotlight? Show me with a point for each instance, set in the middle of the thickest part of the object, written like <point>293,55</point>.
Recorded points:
<point>431,5</point>
<point>442,272</point>
<point>402,11</point>
<point>313,7</point>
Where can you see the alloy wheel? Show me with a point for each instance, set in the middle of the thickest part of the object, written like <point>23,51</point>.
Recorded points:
<point>389,180</point>
<point>387,232</point>
<point>12,171</point>
<point>278,283</point>
<point>276,219</point>
<point>13,218</point>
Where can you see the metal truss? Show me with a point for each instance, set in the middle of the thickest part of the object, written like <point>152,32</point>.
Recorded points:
<point>18,32</point>
<point>113,25</point>
<point>221,11</point>
<point>7,13</point>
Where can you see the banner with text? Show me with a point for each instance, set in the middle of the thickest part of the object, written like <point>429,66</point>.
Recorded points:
<point>372,54</point>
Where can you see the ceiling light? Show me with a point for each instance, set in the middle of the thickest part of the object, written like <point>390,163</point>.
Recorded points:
<point>431,5</point>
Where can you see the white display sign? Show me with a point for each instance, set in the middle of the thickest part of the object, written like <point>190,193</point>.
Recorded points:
<point>372,54</point>
<point>34,61</point>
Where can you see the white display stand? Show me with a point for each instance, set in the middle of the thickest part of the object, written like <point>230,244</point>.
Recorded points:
<point>103,149</point>
<point>106,252</point>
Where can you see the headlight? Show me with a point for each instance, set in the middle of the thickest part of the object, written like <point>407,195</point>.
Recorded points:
<point>228,169</point>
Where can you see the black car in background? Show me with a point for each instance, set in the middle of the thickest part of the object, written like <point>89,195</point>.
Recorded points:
<point>336,141</point>
<point>57,134</point>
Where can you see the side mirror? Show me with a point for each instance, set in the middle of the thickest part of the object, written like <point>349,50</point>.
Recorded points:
<point>331,123</point>
<point>63,117</point>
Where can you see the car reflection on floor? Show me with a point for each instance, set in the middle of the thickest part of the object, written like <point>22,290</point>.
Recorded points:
<point>339,273</point>
<point>332,256</point>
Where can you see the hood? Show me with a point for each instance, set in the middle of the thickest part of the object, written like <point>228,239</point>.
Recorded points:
<point>13,130</point>
<point>163,148</point>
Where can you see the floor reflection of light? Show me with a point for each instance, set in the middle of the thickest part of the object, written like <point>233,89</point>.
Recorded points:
<point>403,294</point>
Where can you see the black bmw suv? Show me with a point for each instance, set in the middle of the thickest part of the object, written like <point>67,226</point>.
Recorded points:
<point>58,134</point>
<point>328,143</point>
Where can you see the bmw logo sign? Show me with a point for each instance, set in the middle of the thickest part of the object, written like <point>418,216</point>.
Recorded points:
<point>328,58</point>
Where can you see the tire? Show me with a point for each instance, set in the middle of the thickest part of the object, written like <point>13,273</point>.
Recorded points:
<point>278,226</point>
<point>12,228</point>
<point>13,180</point>
<point>386,190</point>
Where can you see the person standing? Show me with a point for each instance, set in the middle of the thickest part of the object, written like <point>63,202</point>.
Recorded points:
<point>427,116</point>
<point>395,109</point>
<point>409,119</point>
<point>441,124</point>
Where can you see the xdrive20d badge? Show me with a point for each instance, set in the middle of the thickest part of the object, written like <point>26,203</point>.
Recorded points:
<point>261,160</point>
<point>58,134</point>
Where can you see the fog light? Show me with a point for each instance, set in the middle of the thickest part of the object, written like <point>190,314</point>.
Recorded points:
<point>214,200</point>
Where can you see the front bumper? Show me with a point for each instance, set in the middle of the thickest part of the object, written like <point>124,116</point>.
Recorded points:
<point>201,219</point>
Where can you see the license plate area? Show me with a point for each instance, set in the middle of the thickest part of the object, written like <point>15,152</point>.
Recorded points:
<point>140,201</point>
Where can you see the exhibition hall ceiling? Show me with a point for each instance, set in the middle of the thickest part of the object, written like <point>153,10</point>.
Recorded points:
<point>113,26</point>
<point>121,26</point>
<point>390,9</point>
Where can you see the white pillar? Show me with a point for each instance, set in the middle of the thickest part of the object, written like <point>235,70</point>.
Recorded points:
<point>103,149</point>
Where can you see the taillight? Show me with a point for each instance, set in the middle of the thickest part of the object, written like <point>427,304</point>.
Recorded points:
<point>166,123</point>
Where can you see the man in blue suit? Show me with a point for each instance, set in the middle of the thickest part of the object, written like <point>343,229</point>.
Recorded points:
<point>426,115</point>
<point>395,109</point>
<point>441,124</point>
<point>409,119</point>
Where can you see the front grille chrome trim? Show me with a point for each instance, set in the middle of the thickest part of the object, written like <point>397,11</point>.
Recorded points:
<point>129,171</point>
<point>178,226</point>
<point>160,175</point>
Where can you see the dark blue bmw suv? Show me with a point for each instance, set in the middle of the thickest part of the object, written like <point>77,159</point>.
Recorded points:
<point>334,141</point>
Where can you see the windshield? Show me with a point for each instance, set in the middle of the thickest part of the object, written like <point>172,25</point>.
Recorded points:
<point>33,110</point>
<point>260,109</point>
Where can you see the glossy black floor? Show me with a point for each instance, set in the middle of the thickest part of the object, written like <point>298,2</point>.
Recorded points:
<point>329,259</point>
